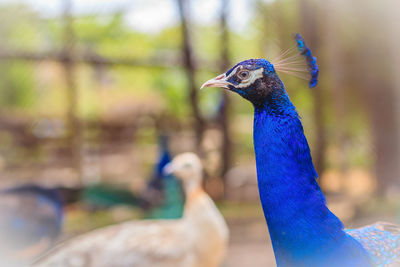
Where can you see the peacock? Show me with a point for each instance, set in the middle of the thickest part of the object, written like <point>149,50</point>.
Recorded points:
<point>198,239</point>
<point>162,198</point>
<point>30,222</point>
<point>164,192</point>
<point>303,231</point>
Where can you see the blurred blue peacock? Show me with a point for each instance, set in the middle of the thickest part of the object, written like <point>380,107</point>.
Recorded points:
<point>165,189</point>
<point>304,232</point>
<point>162,197</point>
<point>30,222</point>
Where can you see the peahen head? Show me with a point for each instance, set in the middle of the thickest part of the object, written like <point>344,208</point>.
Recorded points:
<point>187,167</point>
<point>253,79</point>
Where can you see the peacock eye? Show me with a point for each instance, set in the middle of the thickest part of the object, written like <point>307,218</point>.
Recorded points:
<point>244,75</point>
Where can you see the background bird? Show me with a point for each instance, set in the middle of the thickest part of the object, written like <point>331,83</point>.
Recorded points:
<point>199,238</point>
<point>161,199</point>
<point>163,193</point>
<point>304,232</point>
<point>30,222</point>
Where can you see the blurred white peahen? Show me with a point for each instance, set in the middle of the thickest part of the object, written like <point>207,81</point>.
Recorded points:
<point>198,239</point>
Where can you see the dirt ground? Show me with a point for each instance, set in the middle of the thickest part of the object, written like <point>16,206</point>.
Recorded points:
<point>249,244</point>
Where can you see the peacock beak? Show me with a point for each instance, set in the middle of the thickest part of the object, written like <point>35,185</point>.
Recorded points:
<point>219,81</point>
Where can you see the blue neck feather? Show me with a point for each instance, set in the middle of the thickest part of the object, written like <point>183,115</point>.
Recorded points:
<point>304,232</point>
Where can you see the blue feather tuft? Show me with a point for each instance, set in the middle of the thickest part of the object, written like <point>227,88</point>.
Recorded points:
<point>311,61</point>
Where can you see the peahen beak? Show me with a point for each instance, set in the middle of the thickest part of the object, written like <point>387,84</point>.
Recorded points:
<point>168,169</point>
<point>219,81</point>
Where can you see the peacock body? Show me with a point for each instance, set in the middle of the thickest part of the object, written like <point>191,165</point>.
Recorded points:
<point>303,231</point>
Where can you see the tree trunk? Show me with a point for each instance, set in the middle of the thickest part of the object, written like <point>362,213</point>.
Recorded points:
<point>337,84</point>
<point>380,99</point>
<point>74,127</point>
<point>395,70</point>
<point>189,64</point>
<point>376,73</point>
<point>226,150</point>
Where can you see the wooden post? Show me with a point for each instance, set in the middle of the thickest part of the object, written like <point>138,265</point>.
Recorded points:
<point>189,65</point>
<point>226,150</point>
<point>74,127</point>
<point>374,69</point>
<point>395,70</point>
<point>337,84</point>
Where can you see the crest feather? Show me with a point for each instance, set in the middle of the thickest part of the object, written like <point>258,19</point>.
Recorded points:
<point>292,62</point>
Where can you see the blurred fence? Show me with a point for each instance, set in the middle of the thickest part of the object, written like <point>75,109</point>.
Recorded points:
<point>76,82</point>
<point>66,135</point>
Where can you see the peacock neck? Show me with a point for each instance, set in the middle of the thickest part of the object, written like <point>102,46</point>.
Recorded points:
<point>300,225</point>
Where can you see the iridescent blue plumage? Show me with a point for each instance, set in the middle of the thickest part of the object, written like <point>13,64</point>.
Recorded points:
<point>311,61</point>
<point>382,242</point>
<point>163,159</point>
<point>303,231</point>
<point>164,193</point>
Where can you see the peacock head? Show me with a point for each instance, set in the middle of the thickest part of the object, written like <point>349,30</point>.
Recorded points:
<point>253,79</point>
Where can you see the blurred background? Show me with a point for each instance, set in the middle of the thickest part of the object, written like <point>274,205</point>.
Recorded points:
<point>88,87</point>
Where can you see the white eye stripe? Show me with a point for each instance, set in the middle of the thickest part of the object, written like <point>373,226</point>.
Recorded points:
<point>254,75</point>
<point>233,72</point>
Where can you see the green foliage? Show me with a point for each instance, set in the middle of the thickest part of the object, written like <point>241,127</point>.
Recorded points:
<point>16,85</point>
<point>21,28</point>
<point>171,86</point>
